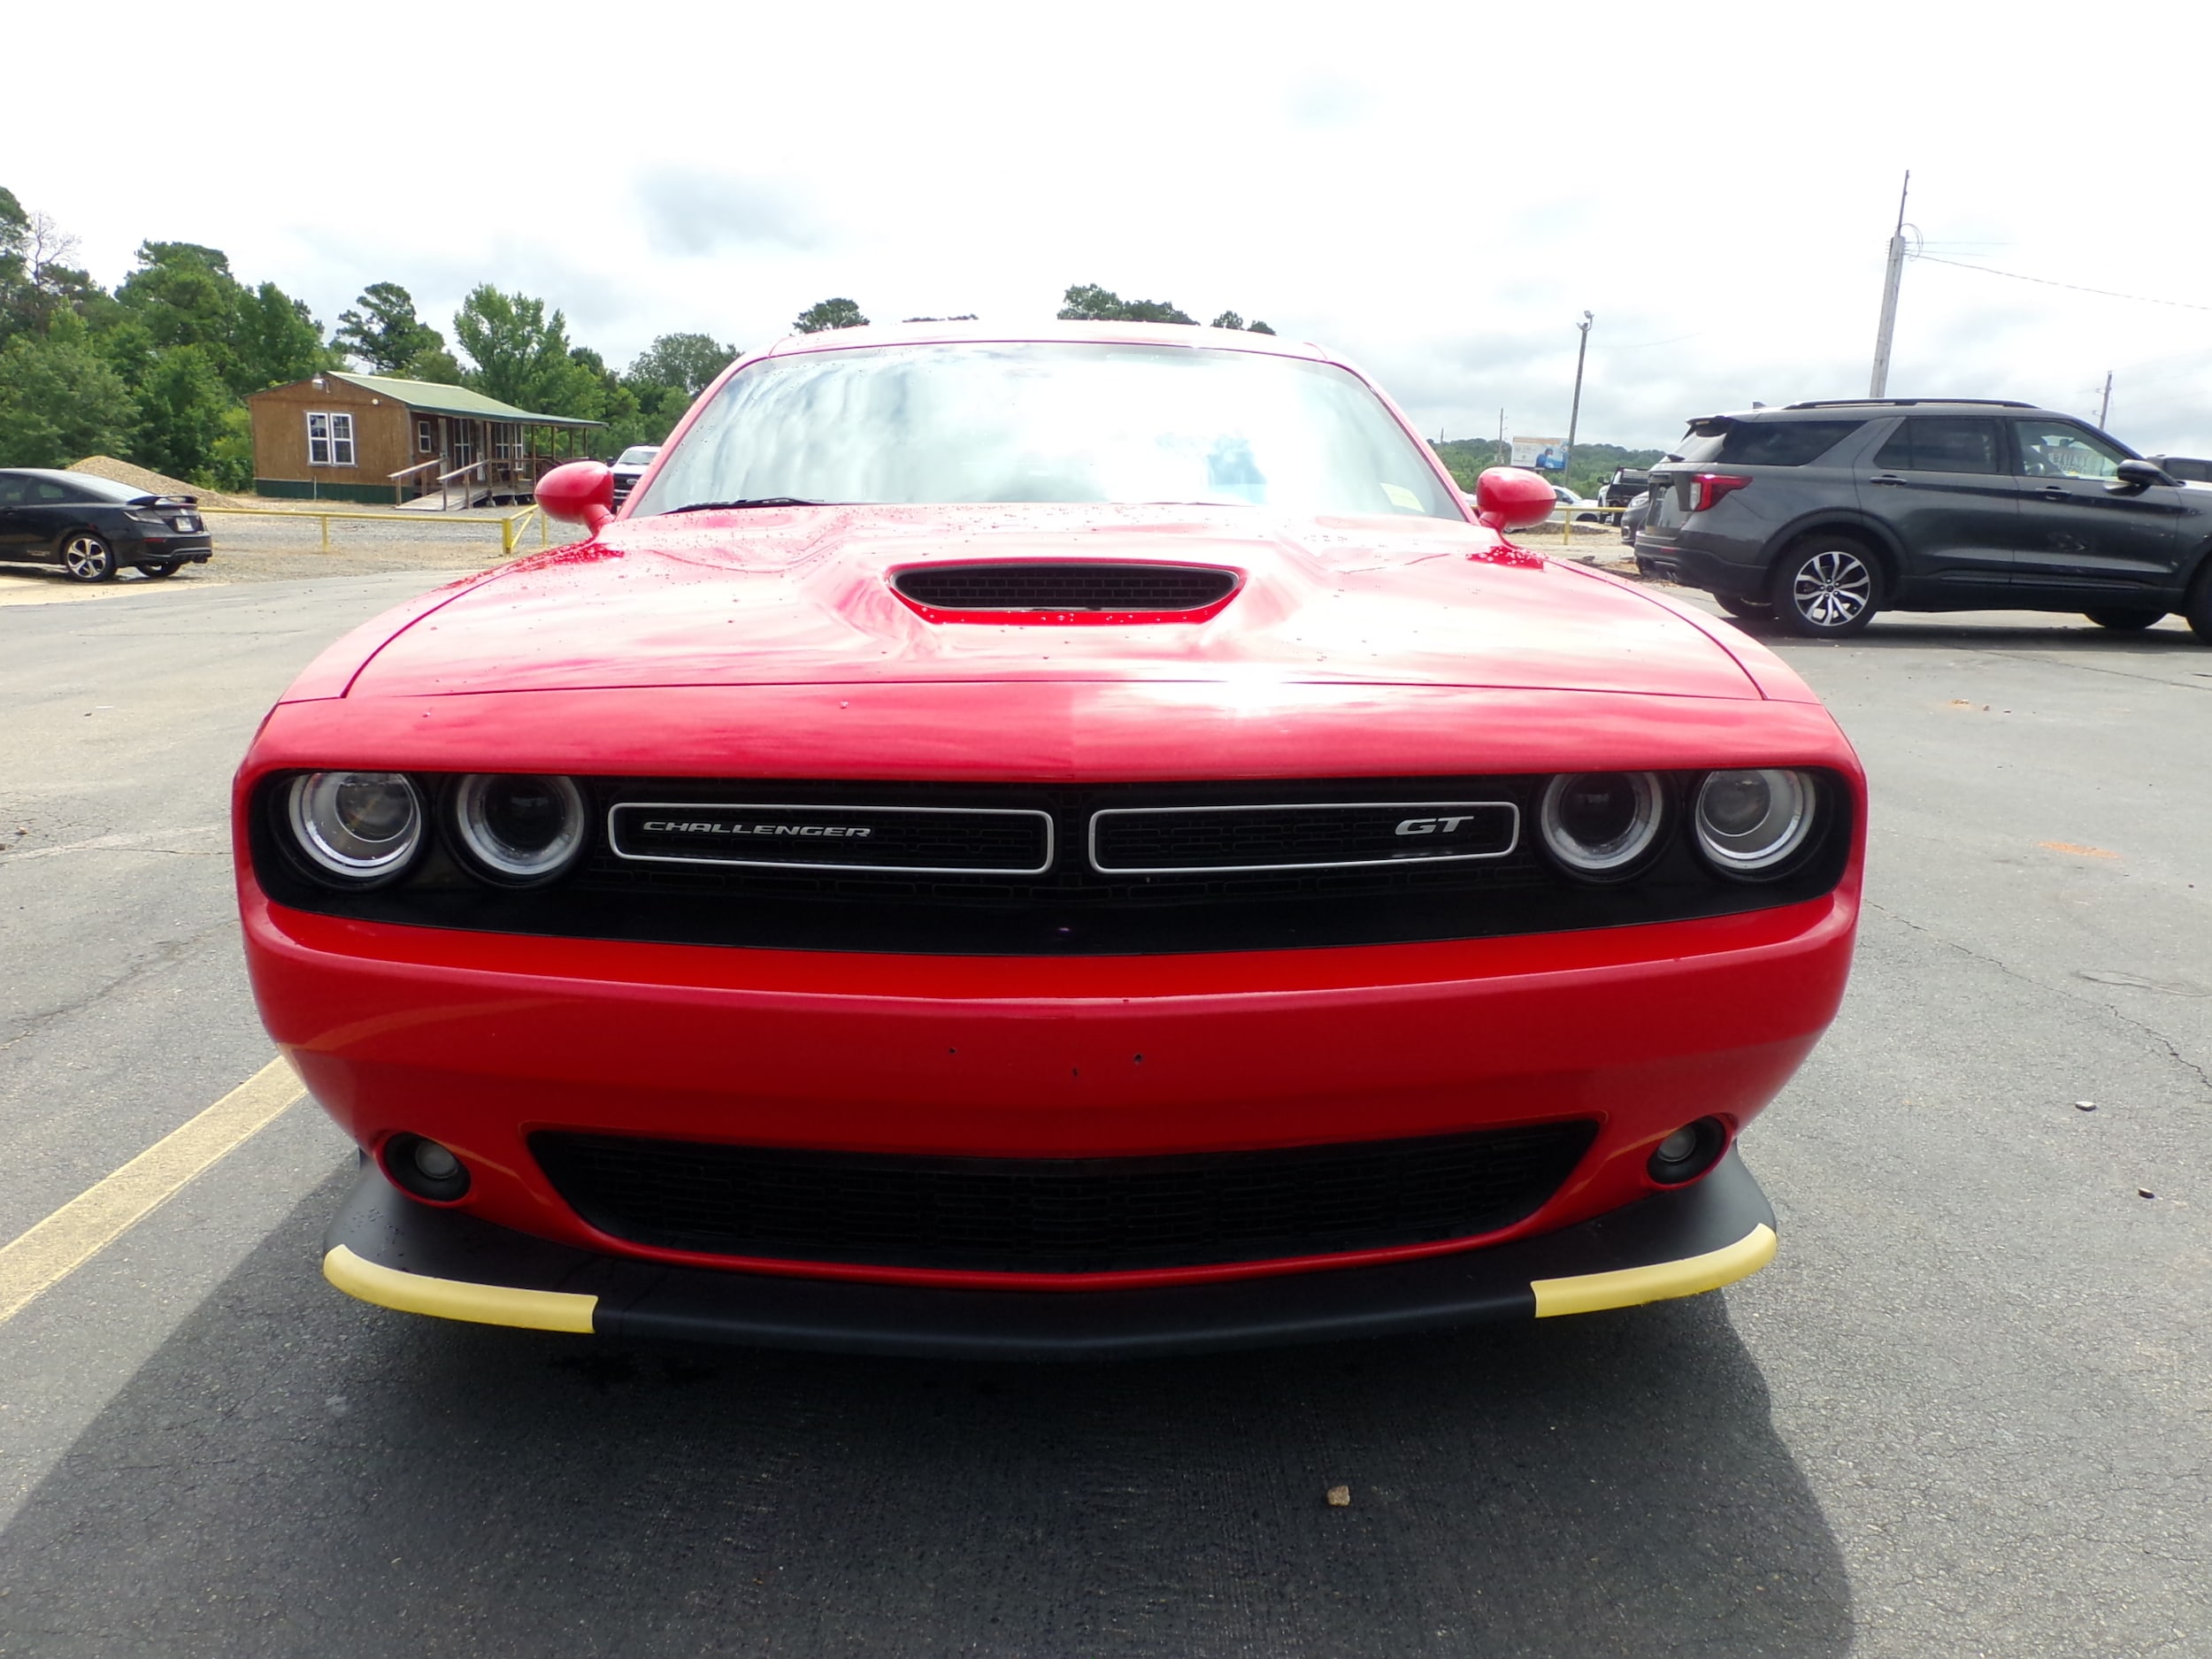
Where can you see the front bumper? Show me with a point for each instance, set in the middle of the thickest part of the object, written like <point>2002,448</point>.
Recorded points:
<point>385,1249</point>
<point>480,1040</point>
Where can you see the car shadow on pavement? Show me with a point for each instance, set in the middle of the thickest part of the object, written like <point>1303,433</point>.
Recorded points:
<point>297,1473</point>
<point>1923,634</point>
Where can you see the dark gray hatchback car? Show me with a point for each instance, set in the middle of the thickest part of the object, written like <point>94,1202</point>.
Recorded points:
<point>1819,515</point>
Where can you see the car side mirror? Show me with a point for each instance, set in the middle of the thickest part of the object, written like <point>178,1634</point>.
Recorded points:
<point>582,492</point>
<point>2131,478</point>
<point>1511,498</point>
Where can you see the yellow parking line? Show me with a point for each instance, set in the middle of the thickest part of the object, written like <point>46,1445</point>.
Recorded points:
<point>88,1224</point>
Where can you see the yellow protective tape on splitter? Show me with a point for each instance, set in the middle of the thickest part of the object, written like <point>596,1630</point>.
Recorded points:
<point>457,1299</point>
<point>1630,1287</point>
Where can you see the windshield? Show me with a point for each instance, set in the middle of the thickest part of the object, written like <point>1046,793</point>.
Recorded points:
<point>638,455</point>
<point>1026,421</point>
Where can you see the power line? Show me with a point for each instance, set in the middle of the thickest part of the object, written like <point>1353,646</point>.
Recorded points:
<point>2076,287</point>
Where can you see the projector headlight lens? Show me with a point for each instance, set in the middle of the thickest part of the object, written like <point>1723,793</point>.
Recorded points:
<point>1750,822</point>
<point>1601,824</point>
<point>356,828</point>
<point>519,828</point>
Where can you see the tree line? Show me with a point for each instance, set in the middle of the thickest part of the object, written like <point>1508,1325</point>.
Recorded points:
<point>158,370</point>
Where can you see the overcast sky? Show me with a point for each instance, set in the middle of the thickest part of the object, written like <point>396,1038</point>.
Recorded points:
<point>1438,192</point>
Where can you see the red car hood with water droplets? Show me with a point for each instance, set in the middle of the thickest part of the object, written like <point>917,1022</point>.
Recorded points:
<point>802,597</point>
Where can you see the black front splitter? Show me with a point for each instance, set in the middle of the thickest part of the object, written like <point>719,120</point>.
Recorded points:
<point>385,1247</point>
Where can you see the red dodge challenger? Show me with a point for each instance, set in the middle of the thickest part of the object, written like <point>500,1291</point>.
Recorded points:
<point>1062,843</point>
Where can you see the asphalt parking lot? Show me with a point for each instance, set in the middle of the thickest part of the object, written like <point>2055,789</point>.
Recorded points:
<point>1968,1411</point>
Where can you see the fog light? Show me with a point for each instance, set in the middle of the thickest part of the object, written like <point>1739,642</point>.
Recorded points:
<point>1688,1152</point>
<point>422,1167</point>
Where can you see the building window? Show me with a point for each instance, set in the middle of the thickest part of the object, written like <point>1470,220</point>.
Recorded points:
<point>329,439</point>
<point>425,437</point>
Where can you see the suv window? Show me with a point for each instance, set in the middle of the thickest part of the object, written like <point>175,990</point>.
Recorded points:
<point>1937,443</point>
<point>1767,442</point>
<point>2057,448</point>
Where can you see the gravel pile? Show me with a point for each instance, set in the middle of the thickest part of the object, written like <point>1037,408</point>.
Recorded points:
<point>153,483</point>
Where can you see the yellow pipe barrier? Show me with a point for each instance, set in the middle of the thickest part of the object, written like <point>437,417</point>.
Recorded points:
<point>1569,515</point>
<point>510,526</point>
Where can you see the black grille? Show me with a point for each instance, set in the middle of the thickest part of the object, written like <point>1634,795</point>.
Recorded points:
<point>1067,587</point>
<point>1143,840</point>
<point>1059,1215</point>
<point>801,903</point>
<point>910,839</point>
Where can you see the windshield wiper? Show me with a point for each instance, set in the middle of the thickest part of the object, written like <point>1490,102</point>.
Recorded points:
<point>753,501</point>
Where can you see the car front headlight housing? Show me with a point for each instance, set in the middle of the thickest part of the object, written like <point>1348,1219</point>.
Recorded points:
<point>519,829</point>
<point>1599,824</point>
<point>355,828</point>
<point>1751,823</point>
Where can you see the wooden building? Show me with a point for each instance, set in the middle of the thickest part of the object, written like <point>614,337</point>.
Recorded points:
<point>366,437</point>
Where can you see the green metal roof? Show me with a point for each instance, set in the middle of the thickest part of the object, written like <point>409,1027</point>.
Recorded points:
<point>453,400</point>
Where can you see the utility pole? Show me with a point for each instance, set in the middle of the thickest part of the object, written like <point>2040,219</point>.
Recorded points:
<point>2105,407</point>
<point>1574,414</point>
<point>1505,449</point>
<point>1880,384</point>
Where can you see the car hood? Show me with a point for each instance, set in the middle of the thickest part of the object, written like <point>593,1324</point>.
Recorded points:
<point>803,597</point>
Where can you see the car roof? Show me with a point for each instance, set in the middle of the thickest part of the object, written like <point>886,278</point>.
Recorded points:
<point>1197,336</point>
<point>1829,409</point>
<point>105,488</point>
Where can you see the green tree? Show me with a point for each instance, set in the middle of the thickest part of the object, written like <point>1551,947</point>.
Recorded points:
<point>183,403</point>
<point>59,400</point>
<point>35,280</point>
<point>682,363</point>
<point>520,356</point>
<point>15,270</point>
<point>276,341</point>
<point>1230,320</point>
<point>434,363</point>
<point>1088,302</point>
<point>184,295</point>
<point>385,334</point>
<point>825,314</point>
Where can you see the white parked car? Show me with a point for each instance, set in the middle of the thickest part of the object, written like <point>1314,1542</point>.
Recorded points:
<point>629,466</point>
<point>1574,506</point>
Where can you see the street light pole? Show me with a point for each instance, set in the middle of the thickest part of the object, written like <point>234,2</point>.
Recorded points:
<point>1574,415</point>
<point>1879,385</point>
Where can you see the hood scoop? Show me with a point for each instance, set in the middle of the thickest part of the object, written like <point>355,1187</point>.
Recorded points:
<point>1066,590</point>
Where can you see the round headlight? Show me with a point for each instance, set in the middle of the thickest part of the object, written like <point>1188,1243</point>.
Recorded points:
<point>1600,823</point>
<point>356,828</point>
<point>1749,823</point>
<point>519,829</point>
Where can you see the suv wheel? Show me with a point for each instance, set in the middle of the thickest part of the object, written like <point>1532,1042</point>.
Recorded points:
<point>2125,621</point>
<point>1826,587</point>
<point>2198,607</point>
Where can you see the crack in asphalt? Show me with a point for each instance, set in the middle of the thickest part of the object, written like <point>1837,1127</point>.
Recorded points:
<point>2202,1075</point>
<point>168,953</point>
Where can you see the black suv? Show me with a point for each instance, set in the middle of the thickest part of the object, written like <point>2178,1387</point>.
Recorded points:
<point>1821,514</point>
